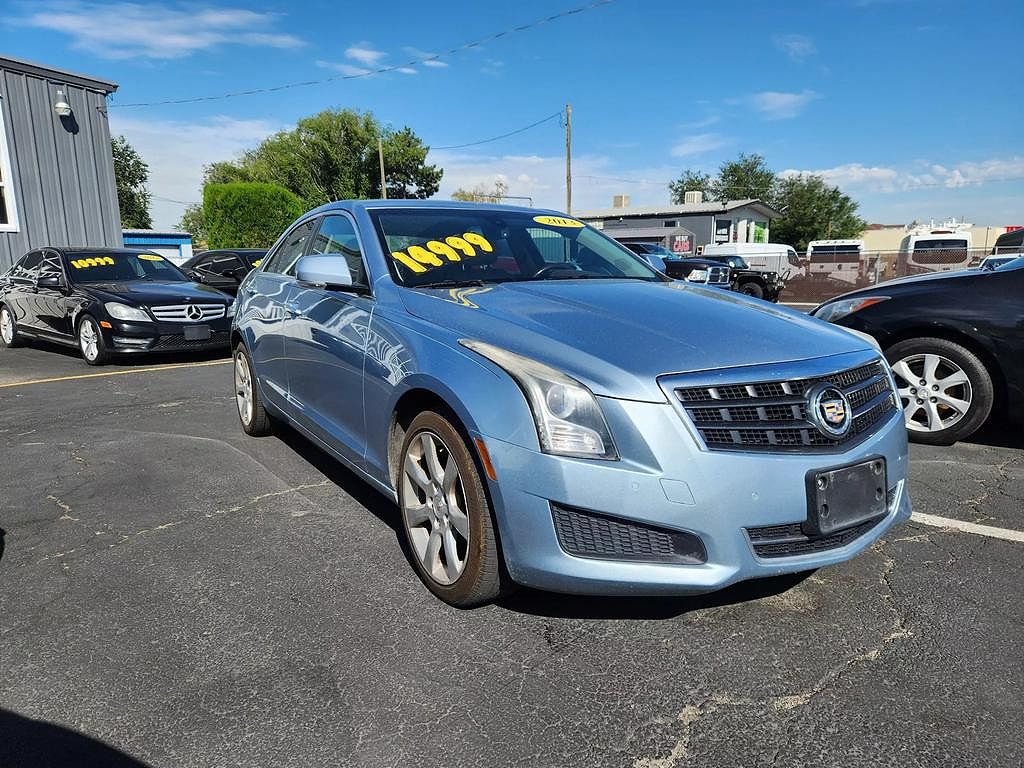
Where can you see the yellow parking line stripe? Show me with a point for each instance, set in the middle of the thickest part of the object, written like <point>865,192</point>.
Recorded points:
<point>151,369</point>
<point>1007,534</point>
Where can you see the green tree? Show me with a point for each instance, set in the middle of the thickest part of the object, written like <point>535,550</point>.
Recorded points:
<point>814,210</point>
<point>248,214</point>
<point>332,155</point>
<point>482,193</point>
<point>690,181</point>
<point>748,176</point>
<point>192,221</point>
<point>131,174</point>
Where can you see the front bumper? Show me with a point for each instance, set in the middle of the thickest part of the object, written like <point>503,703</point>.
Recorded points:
<point>133,338</point>
<point>673,484</point>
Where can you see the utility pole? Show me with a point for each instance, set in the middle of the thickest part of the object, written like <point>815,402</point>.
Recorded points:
<point>383,181</point>
<point>568,158</point>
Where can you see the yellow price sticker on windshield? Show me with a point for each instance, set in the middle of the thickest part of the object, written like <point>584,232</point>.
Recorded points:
<point>420,258</point>
<point>98,261</point>
<point>257,262</point>
<point>150,257</point>
<point>559,221</point>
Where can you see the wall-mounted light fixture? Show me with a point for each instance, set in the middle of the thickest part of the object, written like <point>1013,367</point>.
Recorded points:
<point>60,105</point>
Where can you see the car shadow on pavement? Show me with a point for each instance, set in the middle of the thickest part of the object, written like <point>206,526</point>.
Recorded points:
<point>27,743</point>
<point>557,606</point>
<point>532,601</point>
<point>132,360</point>
<point>999,435</point>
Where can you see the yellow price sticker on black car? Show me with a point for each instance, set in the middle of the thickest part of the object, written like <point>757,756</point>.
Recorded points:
<point>150,257</point>
<point>257,263</point>
<point>559,221</point>
<point>420,258</point>
<point>98,261</point>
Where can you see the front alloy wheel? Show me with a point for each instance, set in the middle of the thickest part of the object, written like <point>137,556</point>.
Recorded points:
<point>90,342</point>
<point>446,515</point>
<point>8,329</point>
<point>945,390</point>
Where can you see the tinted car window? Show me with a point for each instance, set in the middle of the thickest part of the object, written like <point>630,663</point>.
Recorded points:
<point>50,264</point>
<point>221,263</point>
<point>27,267</point>
<point>121,266</point>
<point>290,249</point>
<point>337,235</point>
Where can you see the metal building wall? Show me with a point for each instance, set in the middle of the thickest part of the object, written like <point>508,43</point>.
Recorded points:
<point>62,168</point>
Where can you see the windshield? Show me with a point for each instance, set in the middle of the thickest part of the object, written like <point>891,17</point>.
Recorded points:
<point>121,266</point>
<point>446,246</point>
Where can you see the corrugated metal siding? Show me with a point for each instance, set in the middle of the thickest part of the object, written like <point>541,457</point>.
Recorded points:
<point>62,171</point>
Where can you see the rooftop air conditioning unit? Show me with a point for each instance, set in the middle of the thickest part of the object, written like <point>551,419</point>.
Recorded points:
<point>620,201</point>
<point>695,197</point>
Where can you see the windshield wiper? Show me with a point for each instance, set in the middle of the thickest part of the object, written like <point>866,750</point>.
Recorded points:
<point>452,284</point>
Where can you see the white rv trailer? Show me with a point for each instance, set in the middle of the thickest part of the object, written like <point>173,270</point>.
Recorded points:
<point>931,248</point>
<point>835,259</point>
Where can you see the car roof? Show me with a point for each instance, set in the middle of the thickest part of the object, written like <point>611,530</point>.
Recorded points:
<point>365,205</point>
<point>70,249</point>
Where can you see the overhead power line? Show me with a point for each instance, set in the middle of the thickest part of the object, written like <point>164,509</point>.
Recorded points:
<point>911,188</point>
<point>559,113</point>
<point>380,70</point>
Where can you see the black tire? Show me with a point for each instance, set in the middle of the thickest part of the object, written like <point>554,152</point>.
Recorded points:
<point>102,355</point>
<point>978,377</point>
<point>752,289</point>
<point>15,338</point>
<point>481,579</point>
<point>255,420</point>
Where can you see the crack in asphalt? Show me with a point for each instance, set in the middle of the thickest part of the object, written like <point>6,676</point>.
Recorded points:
<point>691,714</point>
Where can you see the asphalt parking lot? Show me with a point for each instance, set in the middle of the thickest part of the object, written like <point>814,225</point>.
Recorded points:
<point>174,593</point>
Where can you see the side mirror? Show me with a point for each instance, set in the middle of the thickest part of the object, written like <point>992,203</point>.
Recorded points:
<point>331,272</point>
<point>50,281</point>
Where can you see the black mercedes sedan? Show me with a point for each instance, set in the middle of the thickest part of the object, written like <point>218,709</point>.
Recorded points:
<point>955,341</point>
<point>110,301</point>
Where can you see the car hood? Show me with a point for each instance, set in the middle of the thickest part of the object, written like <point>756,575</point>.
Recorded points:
<point>153,292</point>
<point>617,336</point>
<point>903,284</point>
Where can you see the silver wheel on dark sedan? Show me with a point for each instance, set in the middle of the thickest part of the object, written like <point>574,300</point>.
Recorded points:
<point>935,392</point>
<point>243,388</point>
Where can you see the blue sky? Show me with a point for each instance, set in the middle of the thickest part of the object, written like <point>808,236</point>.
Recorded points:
<point>913,108</point>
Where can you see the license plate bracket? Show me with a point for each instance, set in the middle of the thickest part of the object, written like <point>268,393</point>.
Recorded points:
<point>197,333</point>
<point>842,497</point>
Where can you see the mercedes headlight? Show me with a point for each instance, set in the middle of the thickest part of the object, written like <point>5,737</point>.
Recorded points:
<point>569,421</point>
<point>698,276</point>
<point>230,309</point>
<point>835,310</point>
<point>120,311</point>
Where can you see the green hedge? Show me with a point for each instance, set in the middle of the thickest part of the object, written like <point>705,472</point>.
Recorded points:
<point>248,214</point>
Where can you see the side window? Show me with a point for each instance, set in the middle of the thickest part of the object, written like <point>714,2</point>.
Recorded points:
<point>220,264</point>
<point>337,235</point>
<point>553,247</point>
<point>290,249</point>
<point>50,265</point>
<point>26,270</point>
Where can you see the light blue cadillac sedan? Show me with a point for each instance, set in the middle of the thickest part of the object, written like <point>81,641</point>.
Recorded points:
<point>548,410</point>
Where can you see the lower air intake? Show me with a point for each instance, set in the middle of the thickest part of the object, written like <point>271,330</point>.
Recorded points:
<point>591,535</point>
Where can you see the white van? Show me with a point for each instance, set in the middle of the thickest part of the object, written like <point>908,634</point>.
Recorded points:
<point>761,257</point>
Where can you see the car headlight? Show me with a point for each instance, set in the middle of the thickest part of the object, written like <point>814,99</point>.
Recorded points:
<point>120,311</point>
<point>698,276</point>
<point>569,421</point>
<point>230,309</point>
<point>835,310</point>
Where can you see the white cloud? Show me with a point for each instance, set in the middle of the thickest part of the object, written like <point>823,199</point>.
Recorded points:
<point>796,47</point>
<point>779,105</point>
<point>350,70</point>
<point>542,178</point>
<point>425,57</point>
<point>407,71</point>
<point>856,176</point>
<point>706,122</point>
<point>155,31</point>
<point>364,54</point>
<point>177,151</point>
<point>698,144</point>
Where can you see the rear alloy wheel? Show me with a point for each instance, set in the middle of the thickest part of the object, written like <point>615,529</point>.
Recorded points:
<point>90,342</point>
<point>254,417</point>
<point>945,390</point>
<point>9,336</point>
<point>446,516</point>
